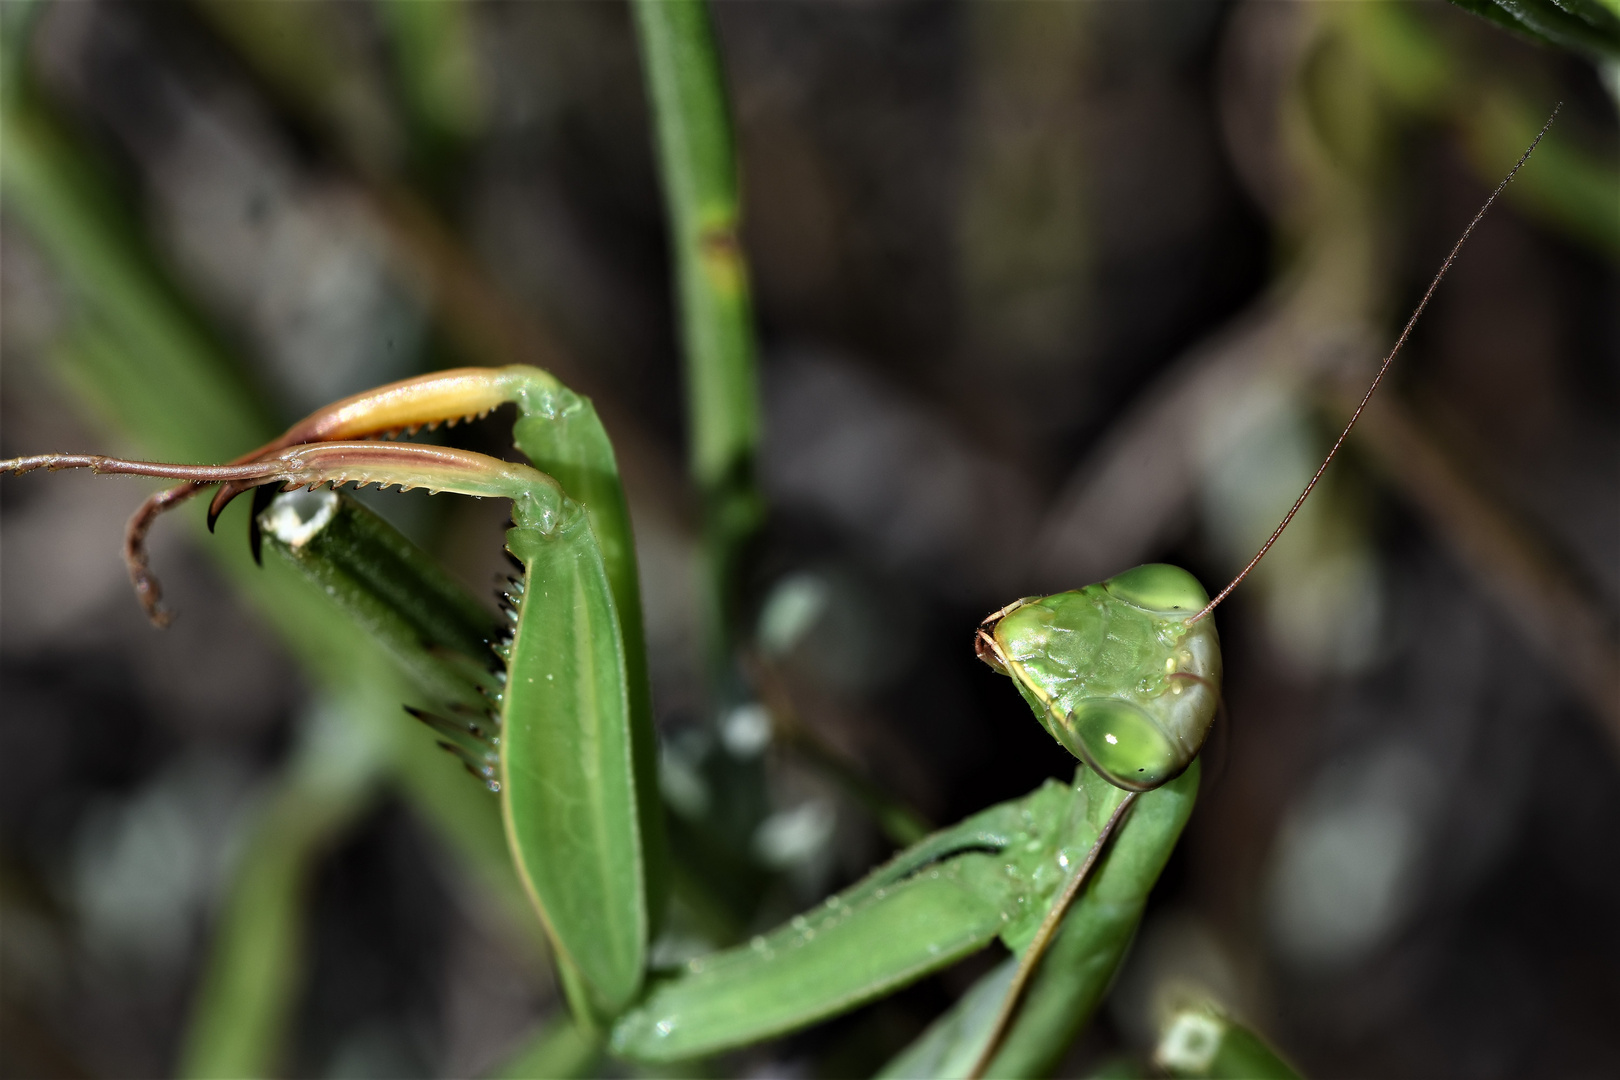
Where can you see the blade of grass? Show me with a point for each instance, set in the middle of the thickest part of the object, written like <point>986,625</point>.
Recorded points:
<point>687,94</point>
<point>255,963</point>
<point>692,135</point>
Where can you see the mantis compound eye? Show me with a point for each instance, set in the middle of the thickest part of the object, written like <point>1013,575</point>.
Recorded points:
<point>1123,743</point>
<point>1159,587</point>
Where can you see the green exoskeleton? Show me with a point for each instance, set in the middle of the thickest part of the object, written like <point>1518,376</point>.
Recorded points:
<point>1117,672</point>
<point>1125,674</point>
<point>562,745</point>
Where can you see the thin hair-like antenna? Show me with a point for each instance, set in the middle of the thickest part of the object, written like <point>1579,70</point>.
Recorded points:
<point>1384,368</point>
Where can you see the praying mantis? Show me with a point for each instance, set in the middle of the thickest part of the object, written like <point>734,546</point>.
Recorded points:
<point>1125,674</point>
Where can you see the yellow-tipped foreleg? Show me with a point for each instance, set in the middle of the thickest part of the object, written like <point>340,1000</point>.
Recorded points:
<point>446,397</point>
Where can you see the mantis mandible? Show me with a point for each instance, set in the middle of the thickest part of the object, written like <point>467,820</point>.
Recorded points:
<point>1125,674</point>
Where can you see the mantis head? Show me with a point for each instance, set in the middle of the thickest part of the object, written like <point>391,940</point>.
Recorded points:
<point>1126,673</point>
<point>1116,672</point>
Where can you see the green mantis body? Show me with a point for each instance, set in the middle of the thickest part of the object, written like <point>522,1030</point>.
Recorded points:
<point>1125,674</point>
<point>564,740</point>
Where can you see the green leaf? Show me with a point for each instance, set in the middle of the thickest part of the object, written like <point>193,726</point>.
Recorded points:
<point>1589,27</point>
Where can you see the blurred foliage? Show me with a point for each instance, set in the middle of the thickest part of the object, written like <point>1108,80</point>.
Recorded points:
<point>139,356</point>
<point>1347,138</point>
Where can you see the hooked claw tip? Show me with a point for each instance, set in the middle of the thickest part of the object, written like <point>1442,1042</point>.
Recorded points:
<point>263,496</point>
<point>222,498</point>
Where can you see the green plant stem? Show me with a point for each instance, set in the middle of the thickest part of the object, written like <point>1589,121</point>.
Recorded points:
<point>686,90</point>
<point>559,1050</point>
<point>1569,187</point>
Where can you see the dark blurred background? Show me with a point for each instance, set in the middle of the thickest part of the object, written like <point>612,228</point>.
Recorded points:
<point>1043,291</point>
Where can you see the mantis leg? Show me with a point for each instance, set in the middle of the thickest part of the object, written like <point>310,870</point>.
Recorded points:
<point>560,433</point>
<point>1036,949</point>
<point>565,775</point>
<point>1090,944</point>
<point>949,895</point>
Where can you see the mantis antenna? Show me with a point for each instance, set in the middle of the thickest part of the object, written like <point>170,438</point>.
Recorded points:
<point>1382,370</point>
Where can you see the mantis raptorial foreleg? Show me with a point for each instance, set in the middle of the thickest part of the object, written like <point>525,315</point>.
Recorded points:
<point>575,775</point>
<point>1126,674</point>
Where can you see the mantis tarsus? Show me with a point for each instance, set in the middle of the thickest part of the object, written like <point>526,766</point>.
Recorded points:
<point>1125,674</point>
